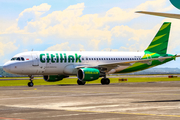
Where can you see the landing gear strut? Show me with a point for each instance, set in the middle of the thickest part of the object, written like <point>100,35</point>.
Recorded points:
<point>79,82</point>
<point>31,84</point>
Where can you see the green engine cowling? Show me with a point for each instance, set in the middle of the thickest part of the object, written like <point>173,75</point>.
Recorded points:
<point>88,74</point>
<point>53,78</point>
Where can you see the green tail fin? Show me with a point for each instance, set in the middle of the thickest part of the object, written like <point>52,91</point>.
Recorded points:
<point>160,41</point>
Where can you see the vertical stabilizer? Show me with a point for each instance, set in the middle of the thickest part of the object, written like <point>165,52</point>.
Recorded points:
<point>160,42</point>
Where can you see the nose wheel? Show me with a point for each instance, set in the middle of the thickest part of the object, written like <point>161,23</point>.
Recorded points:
<point>31,84</point>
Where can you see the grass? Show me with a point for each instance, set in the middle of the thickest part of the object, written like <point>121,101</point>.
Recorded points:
<point>40,81</point>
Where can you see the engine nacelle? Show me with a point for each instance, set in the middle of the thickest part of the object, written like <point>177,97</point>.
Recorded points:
<point>53,78</point>
<point>88,74</point>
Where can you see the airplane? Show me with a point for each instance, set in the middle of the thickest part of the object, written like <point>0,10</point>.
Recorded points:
<point>176,4</point>
<point>89,66</point>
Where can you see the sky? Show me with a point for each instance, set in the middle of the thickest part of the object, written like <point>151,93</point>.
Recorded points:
<point>88,25</point>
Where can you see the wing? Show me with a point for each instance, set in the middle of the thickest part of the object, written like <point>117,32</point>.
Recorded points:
<point>169,15</point>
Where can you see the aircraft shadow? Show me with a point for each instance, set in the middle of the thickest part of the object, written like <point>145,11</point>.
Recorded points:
<point>77,85</point>
<point>157,101</point>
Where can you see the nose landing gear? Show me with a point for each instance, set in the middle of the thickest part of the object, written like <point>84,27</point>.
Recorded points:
<point>31,84</point>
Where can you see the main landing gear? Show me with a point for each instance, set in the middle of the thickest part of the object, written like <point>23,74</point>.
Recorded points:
<point>105,81</point>
<point>31,84</point>
<point>79,82</point>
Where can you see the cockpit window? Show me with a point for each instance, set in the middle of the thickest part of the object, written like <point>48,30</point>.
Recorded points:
<point>13,59</point>
<point>18,59</point>
<point>22,59</point>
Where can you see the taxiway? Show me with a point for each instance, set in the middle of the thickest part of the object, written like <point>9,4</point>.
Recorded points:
<point>98,102</point>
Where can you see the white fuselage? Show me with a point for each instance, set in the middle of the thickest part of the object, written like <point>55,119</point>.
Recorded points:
<point>63,62</point>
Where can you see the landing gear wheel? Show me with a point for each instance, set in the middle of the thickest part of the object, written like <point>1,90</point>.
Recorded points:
<point>30,84</point>
<point>105,81</point>
<point>79,82</point>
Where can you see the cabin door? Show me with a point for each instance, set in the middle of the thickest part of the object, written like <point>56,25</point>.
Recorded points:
<point>35,61</point>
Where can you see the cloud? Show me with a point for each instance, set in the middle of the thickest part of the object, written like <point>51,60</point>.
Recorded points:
<point>94,43</point>
<point>7,48</point>
<point>154,5</point>
<point>71,26</point>
<point>130,33</point>
<point>109,49</point>
<point>134,39</point>
<point>66,47</point>
<point>32,14</point>
<point>59,47</point>
<point>174,41</point>
<point>77,47</point>
<point>38,41</point>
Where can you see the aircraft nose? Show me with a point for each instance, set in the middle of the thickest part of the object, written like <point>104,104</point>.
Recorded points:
<point>7,67</point>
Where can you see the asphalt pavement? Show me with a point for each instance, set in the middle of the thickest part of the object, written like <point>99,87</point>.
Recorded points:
<point>126,101</point>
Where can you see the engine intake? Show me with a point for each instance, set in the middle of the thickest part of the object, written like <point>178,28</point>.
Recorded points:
<point>88,74</point>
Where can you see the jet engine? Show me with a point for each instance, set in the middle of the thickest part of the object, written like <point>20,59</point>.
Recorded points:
<point>88,74</point>
<point>54,78</point>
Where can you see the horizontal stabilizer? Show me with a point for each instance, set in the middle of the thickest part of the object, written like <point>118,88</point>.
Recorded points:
<point>169,15</point>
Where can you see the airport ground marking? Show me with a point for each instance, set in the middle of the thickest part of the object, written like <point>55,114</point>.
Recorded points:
<point>155,94</point>
<point>125,113</point>
<point>35,89</point>
<point>3,118</point>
